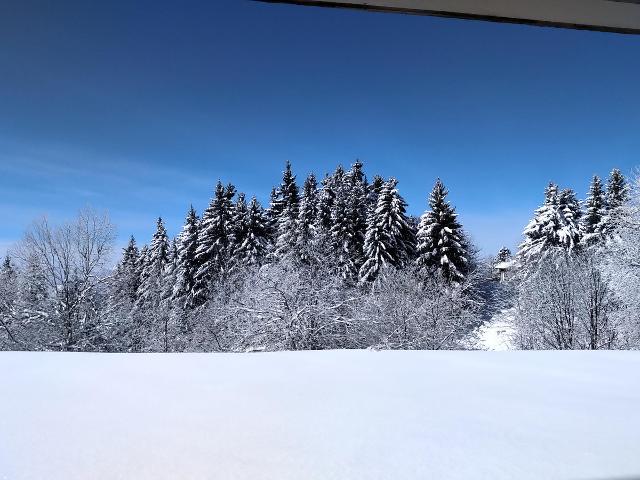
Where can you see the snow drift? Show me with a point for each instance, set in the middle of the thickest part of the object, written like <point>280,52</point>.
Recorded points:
<point>320,415</point>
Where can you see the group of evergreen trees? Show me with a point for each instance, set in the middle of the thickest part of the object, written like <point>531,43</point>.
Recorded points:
<point>563,221</point>
<point>574,280</point>
<point>356,226</point>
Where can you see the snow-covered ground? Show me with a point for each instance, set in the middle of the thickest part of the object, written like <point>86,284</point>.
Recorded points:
<point>495,334</point>
<point>320,415</point>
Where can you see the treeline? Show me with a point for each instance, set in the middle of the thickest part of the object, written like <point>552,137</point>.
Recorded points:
<point>330,264</point>
<point>338,264</point>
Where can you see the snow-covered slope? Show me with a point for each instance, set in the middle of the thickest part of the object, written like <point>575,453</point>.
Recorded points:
<point>495,334</point>
<point>320,415</point>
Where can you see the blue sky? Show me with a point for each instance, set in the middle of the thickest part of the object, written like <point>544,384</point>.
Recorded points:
<point>139,109</point>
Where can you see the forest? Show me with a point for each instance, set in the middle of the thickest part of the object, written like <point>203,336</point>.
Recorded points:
<point>330,264</point>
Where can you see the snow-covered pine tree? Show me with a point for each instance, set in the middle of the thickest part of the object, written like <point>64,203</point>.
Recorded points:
<point>326,197</point>
<point>141,263</point>
<point>307,218</point>
<point>504,255</point>
<point>213,241</point>
<point>7,271</point>
<point>357,209</point>
<point>375,188</point>
<point>553,225</point>
<point>341,234</point>
<point>127,277</point>
<point>250,233</point>
<point>616,197</point>
<point>186,265</point>
<point>389,240</point>
<point>373,191</point>
<point>617,190</point>
<point>594,219</point>
<point>571,232</point>
<point>8,303</point>
<point>271,213</point>
<point>238,230</point>
<point>170,273</point>
<point>349,220</point>
<point>441,243</point>
<point>8,285</point>
<point>287,212</point>
<point>153,272</point>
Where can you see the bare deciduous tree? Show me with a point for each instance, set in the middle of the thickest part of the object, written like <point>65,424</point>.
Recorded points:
<point>71,258</point>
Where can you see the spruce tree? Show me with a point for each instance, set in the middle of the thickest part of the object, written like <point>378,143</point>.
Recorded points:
<point>141,263</point>
<point>571,232</point>
<point>341,236</point>
<point>326,198</point>
<point>389,240</point>
<point>186,266</point>
<point>272,213</point>
<point>357,209</point>
<point>553,225</point>
<point>8,289</point>
<point>153,272</point>
<point>441,243</point>
<point>307,218</point>
<point>7,272</point>
<point>251,233</point>
<point>349,220</point>
<point>213,241</point>
<point>127,278</point>
<point>504,255</point>
<point>594,219</point>
<point>170,273</point>
<point>287,207</point>
<point>375,188</point>
<point>617,190</point>
<point>238,226</point>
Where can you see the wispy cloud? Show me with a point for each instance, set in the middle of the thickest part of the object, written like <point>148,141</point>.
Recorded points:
<point>56,162</point>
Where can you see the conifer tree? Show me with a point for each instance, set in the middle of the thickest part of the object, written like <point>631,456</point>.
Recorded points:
<point>251,233</point>
<point>8,285</point>
<point>287,209</point>
<point>213,241</point>
<point>341,235</point>
<point>349,220</point>
<point>375,188</point>
<point>373,191</point>
<point>389,240</point>
<point>441,243</point>
<point>553,225</point>
<point>141,263</point>
<point>186,266</point>
<point>238,230</point>
<point>272,213</point>
<point>170,273</point>
<point>128,275</point>
<point>357,209</point>
<point>7,271</point>
<point>504,255</point>
<point>617,190</point>
<point>571,231</point>
<point>153,272</point>
<point>307,217</point>
<point>8,302</point>
<point>326,198</point>
<point>594,219</point>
